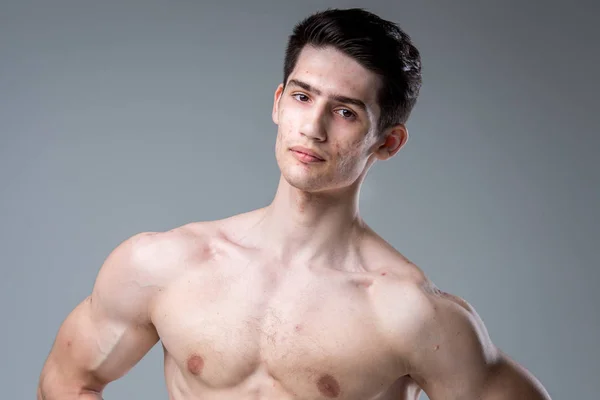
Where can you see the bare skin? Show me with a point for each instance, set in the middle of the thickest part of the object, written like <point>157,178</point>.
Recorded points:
<point>297,300</point>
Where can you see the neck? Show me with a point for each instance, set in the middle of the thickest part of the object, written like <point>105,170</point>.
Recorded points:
<point>302,226</point>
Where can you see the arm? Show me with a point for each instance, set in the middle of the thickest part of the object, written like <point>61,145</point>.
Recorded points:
<point>452,357</point>
<point>107,333</point>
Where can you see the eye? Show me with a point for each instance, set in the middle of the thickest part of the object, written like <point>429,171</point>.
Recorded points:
<point>300,97</point>
<point>347,114</point>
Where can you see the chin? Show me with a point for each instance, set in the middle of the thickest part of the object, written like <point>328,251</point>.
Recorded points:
<point>303,179</point>
<point>303,183</point>
<point>317,181</point>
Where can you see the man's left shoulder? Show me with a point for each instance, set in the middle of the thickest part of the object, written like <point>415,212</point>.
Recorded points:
<point>409,304</point>
<point>443,342</point>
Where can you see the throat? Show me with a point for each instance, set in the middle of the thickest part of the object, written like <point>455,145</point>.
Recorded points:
<point>329,240</point>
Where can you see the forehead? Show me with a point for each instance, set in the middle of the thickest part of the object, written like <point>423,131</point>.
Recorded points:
<point>333,72</point>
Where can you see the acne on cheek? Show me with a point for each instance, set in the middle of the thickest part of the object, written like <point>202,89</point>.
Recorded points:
<point>337,149</point>
<point>353,149</point>
<point>348,152</point>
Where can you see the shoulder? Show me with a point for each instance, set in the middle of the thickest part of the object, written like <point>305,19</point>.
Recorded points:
<point>438,336</point>
<point>444,345</point>
<point>195,241</point>
<point>138,268</point>
<point>403,298</point>
<point>441,340</point>
<point>154,255</point>
<point>406,297</point>
<point>424,322</point>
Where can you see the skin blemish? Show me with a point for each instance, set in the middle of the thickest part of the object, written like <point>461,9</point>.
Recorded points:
<point>195,364</point>
<point>383,273</point>
<point>328,386</point>
<point>298,328</point>
<point>437,347</point>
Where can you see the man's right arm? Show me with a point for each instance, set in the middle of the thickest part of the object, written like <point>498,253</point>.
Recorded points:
<point>108,332</point>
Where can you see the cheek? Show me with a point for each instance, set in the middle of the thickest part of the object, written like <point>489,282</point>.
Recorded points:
<point>352,150</point>
<point>291,117</point>
<point>286,124</point>
<point>350,156</point>
<point>285,112</point>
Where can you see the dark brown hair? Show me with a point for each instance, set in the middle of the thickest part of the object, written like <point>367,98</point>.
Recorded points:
<point>378,45</point>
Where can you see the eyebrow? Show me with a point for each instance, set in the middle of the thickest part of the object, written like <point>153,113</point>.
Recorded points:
<point>336,97</point>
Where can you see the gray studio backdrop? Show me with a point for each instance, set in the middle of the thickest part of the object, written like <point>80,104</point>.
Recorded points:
<point>118,117</point>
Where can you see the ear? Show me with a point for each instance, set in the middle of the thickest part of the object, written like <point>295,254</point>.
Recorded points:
<point>276,97</point>
<point>392,141</point>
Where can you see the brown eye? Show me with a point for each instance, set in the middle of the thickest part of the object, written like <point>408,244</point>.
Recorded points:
<point>347,114</point>
<point>300,97</point>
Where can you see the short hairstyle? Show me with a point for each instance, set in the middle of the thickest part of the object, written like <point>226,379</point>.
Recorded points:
<point>378,45</point>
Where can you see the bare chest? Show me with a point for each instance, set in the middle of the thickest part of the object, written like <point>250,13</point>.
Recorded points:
<point>307,333</point>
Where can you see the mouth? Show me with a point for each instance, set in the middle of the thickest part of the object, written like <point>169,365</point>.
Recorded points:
<point>306,155</point>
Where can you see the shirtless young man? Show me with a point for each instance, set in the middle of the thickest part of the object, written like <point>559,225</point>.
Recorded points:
<point>300,299</point>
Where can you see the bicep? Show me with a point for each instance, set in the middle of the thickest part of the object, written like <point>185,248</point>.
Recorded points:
<point>108,332</point>
<point>92,349</point>
<point>499,379</point>
<point>507,380</point>
<point>107,345</point>
<point>451,353</point>
<point>456,359</point>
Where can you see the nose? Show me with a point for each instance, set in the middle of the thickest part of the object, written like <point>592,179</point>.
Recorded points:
<point>314,125</point>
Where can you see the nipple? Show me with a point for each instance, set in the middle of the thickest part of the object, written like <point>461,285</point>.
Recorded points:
<point>328,386</point>
<point>195,364</point>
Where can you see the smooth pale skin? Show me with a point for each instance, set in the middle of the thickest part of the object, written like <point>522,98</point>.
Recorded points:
<point>297,300</point>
